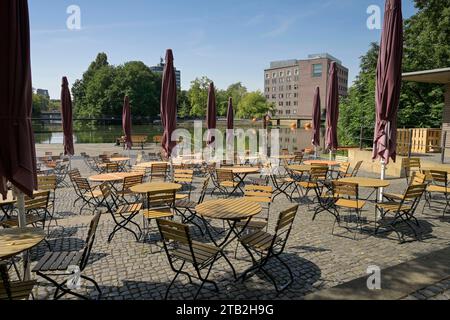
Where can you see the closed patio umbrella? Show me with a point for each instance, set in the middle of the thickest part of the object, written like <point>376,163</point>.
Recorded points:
<point>126,123</point>
<point>211,115</point>
<point>332,109</point>
<point>230,128</point>
<point>316,121</point>
<point>67,121</point>
<point>169,104</point>
<point>388,85</point>
<point>17,151</point>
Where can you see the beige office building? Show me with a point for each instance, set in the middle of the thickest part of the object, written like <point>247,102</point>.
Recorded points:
<point>290,85</point>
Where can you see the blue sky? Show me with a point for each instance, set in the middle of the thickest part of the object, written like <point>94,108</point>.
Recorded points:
<point>228,41</point>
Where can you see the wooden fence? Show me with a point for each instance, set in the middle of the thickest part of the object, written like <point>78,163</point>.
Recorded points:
<point>420,141</point>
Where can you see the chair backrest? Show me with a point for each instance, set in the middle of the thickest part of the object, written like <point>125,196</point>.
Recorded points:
<point>174,235</point>
<point>132,181</point>
<point>318,173</point>
<point>224,175</point>
<point>284,226</point>
<point>183,175</point>
<point>82,184</point>
<point>356,168</point>
<point>158,171</point>
<point>161,199</point>
<point>204,189</point>
<point>38,201</point>
<point>341,159</point>
<point>343,168</point>
<point>139,170</point>
<point>415,191</point>
<point>439,178</point>
<point>89,241</point>
<point>298,157</point>
<point>345,190</point>
<point>411,165</point>
<point>74,173</point>
<point>263,194</point>
<point>418,178</point>
<point>47,183</point>
<point>112,167</point>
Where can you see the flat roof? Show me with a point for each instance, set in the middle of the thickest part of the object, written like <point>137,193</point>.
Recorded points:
<point>441,76</point>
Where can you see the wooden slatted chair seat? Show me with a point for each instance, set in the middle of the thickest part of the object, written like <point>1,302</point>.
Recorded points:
<point>228,184</point>
<point>58,261</point>
<point>437,189</point>
<point>181,196</point>
<point>14,222</point>
<point>307,184</point>
<point>203,253</point>
<point>260,241</point>
<point>393,206</point>
<point>185,204</point>
<point>393,196</point>
<point>157,214</point>
<point>352,204</point>
<point>128,209</point>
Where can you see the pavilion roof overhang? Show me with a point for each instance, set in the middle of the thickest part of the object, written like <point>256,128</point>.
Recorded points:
<point>438,76</point>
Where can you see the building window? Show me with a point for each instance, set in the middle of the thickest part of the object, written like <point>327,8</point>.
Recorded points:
<point>280,103</point>
<point>296,72</point>
<point>281,88</point>
<point>295,95</point>
<point>288,79</point>
<point>288,111</point>
<point>281,73</point>
<point>274,75</point>
<point>281,96</point>
<point>267,76</point>
<point>274,89</point>
<point>295,103</point>
<point>289,72</point>
<point>295,86</point>
<point>274,96</point>
<point>295,111</point>
<point>317,70</point>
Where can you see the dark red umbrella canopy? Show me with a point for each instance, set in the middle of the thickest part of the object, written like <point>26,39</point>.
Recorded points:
<point>126,123</point>
<point>389,80</point>
<point>211,115</point>
<point>168,104</point>
<point>230,115</point>
<point>66,114</point>
<point>316,118</point>
<point>332,108</point>
<point>17,151</point>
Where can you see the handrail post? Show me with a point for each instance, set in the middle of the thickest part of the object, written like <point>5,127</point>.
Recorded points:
<point>444,144</point>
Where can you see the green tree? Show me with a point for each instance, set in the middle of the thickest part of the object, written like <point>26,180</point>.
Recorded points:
<point>39,103</point>
<point>254,105</point>
<point>236,91</point>
<point>198,96</point>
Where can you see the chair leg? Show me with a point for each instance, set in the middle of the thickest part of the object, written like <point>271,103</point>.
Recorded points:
<point>173,280</point>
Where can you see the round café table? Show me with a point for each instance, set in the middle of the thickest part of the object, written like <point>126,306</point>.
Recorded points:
<point>112,177</point>
<point>232,211</point>
<point>17,240</point>
<point>155,187</point>
<point>369,183</point>
<point>322,162</point>
<point>241,173</point>
<point>150,164</point>
<point>300,168</point>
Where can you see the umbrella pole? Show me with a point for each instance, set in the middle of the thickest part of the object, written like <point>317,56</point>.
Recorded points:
<point>383,177</point>
<point>22,224</point>
<point>331,155</point>
<point>315,152</point>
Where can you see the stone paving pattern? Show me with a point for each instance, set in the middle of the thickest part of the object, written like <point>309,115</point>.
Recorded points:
<point>126,269</point>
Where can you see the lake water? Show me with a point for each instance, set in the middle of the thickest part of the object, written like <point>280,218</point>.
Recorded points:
<point>293,139</point>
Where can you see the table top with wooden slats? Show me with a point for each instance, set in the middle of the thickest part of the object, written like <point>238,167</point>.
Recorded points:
<point>10,199</point>
<point>367,182</point>
<point>228,209</point>
<point>322,162</point>
<point>16,240</point>
<point>155,187</point>
<point>243,170</point>
<point>437,168</point>
<point>150,164</point>
<point>119,159</point>
<point>111,177</point>
<point>300,168</point>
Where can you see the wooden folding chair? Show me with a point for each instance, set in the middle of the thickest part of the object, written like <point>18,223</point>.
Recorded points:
<point>128,183</point>
<point>17,290</point>
<point>225,181</point>
<point>56,264</point>
<point>91,196</point>
<point>355,170</point>
<point>159,172</point>
<point>185,177</point>
<point>48,183</point>
<point>416,179</point>
<point>186,207</point>
<point>122,215</point>
<point>410,166</point>
<point>270,246</point>
<point>439,185</point>
<point>402,211</point>
<point>181,250</point>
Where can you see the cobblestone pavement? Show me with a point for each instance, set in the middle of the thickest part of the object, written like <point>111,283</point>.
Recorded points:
<point>438,291</point>
<point>126,269</point>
